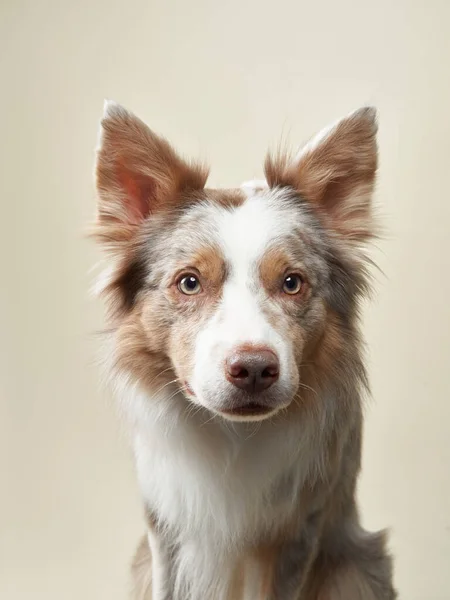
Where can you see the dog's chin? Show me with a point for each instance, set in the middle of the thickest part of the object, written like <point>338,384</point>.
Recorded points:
<point>241,408</point>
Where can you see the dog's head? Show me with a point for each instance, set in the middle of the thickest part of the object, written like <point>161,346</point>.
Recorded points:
<point>232,293</point>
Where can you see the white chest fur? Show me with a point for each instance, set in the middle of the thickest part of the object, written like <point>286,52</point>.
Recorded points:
<point>217,490</point>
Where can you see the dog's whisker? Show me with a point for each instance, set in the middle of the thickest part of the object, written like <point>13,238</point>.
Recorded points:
<point>159,375</point>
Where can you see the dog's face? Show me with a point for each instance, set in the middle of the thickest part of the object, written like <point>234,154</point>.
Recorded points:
<point>233,291</point>
<point>238,287</point>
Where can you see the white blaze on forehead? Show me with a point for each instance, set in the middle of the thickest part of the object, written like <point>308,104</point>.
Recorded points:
<point>246,232</point>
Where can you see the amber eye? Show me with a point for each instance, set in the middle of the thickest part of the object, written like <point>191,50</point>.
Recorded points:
<point>292,284</point>
<point>189,285</point>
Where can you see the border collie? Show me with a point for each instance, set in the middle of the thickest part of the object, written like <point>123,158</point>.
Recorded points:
<point>233,344</point>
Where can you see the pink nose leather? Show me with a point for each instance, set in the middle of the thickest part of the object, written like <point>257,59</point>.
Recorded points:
<point>252,370</point>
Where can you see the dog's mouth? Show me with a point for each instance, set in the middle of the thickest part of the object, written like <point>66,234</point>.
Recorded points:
<point>188,390</point>
<point>238,408</point>
<point>251,409</point>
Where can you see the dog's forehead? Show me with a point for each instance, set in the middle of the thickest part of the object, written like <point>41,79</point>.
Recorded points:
<point>246,230</point>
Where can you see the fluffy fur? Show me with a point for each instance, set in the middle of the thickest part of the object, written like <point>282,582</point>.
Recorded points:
<point>257,505</point>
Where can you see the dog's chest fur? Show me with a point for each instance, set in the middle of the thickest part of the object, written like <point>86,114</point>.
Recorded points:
<point>217,494</point>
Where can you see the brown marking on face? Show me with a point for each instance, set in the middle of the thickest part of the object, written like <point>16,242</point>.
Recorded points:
<point>172,319</point>
<point>316,357</point>
<point>209,263</point>
<point>273,267</point>
<point>189,313</point>
<point>182,336</point>
<point>283,311</point>
<point>320,354</point>
<point>143,358</point>
<point>323,350</point>
<point>156,318</point>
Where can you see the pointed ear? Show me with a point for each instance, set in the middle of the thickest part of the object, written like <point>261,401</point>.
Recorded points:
<point>335,172</point>
<point>137,174</point>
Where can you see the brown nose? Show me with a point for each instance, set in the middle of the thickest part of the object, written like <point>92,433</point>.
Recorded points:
<point>252,371</point>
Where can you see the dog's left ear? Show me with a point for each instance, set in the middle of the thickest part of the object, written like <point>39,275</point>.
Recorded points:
<point>335,172</point>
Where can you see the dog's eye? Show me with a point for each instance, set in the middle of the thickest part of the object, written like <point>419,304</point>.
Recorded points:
<point>189,285</point>
<point>292,284</point>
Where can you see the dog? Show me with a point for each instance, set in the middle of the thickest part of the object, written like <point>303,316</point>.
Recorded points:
<point>234,347</point>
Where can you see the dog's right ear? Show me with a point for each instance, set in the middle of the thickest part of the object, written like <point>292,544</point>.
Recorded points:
<point>137,174</point>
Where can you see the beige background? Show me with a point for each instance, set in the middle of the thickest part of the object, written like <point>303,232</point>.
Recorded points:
<point>222,79</point>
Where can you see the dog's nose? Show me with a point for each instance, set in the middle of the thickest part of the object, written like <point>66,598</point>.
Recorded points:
<point>252,370</point>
